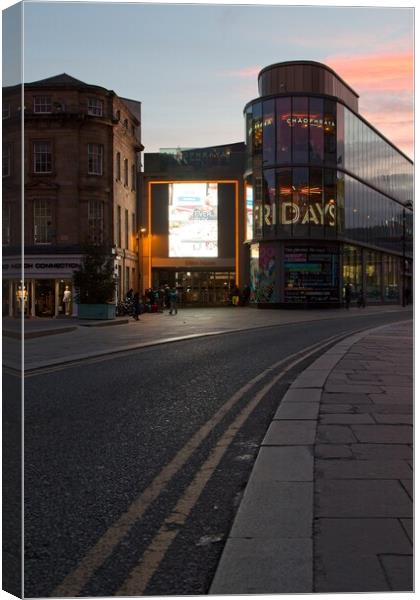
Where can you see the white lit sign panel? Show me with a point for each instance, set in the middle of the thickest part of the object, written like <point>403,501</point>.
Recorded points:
<point>249,212</point>
<point>193,220</point>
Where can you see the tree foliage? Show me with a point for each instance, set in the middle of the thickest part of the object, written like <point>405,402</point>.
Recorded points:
<point>95,281</point>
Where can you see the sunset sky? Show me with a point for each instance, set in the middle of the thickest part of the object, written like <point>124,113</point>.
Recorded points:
<point>194,67</point>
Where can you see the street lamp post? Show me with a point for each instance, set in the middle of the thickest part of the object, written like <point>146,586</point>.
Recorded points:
<point>408,205</point>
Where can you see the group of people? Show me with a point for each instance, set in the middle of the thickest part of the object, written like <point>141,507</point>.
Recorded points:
<point>238,298</point>
<point>153,301</point>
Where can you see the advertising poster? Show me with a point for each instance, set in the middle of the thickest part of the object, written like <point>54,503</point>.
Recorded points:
<point>193,220</point>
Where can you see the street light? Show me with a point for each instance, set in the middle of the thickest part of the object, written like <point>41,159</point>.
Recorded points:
<point>140,234</point>
<point>407,205</point>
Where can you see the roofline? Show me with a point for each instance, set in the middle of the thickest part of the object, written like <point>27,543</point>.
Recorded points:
<point>308,62</point>
<point>215,146</point>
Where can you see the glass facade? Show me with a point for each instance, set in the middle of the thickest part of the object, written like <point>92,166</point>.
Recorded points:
<point>316,172</point>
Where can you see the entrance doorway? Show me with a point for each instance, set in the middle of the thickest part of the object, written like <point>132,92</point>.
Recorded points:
<point>44,298</point>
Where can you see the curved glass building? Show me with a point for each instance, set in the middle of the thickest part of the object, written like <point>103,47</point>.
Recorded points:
<point>328,197</point>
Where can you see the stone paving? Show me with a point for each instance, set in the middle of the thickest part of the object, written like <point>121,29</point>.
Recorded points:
<point>328,507</point>
<point>363,468</point>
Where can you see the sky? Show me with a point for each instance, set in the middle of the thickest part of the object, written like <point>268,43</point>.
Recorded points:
<point>194,67</point>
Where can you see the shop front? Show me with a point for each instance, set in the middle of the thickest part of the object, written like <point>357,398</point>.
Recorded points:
<point>200,282</point>
<point>47,289</point>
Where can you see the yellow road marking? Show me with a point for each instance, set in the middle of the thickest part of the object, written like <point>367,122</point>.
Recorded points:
<point>139,578</point>
<point>74,582</point>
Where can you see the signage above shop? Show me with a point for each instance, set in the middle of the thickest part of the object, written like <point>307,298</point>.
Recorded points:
<point>36,266</point>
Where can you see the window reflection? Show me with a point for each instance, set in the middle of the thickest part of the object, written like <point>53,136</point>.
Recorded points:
<point>316,130</point>
<point>300,130</point>
<point>284,131</point>
<point>269,132</point>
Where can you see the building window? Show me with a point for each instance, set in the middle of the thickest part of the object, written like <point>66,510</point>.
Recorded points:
<point>96,222</point>
<point>42,157</point>
<point>6,225</point>
<point>133,130</point>
<point>133,177</point>
<point>95,107</point>
<point>6,111</point>
<point>133,224</point>
<point>126,229</point>
<point>42,104</point>
<point>42,221</point>
<point>119,226</point>
<point>118,166</point>
<point>126,171</point>
<point>7,154</point>
<point>126,124</point>
<point>95,159</point>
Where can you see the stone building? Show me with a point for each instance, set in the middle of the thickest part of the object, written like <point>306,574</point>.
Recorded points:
<point>81,162</point>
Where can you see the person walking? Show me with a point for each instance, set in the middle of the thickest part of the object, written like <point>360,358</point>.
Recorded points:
<point>347,295</point>
<point>361,300</point>
<point>136,306</point>
<point>173,298</point>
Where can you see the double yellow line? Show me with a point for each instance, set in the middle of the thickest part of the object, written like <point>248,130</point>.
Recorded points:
<point>141,574</point>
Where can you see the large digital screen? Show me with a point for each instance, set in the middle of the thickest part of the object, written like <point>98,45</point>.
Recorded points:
<point>249,212</point>
<point>193,220</point>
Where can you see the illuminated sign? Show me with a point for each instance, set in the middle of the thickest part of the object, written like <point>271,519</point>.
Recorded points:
<point>193,220</point>
<point>249,211</point>
<point>310,121</point>
<point>313,213</point>
<point>290,212</point>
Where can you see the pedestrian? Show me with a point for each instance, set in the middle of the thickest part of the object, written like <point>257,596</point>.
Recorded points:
<point>361,301</point>
<point>173,298</point>
<point>347,295</point>
<point>235,296</point>
<point>136,306</point>
<point>246,293</point>
<point>130,294</point>
<point>167,291</point>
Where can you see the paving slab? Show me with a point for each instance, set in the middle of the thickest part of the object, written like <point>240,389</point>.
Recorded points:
<point>297,410</point>
<point>264,566</point>
<point>381,451</point>
<point>408,483</point>
<point>332,451</point>
<point>399,572</point>
<point>302,395</point>
<point>393,419</point>
<point>311,379</point>
<point>384,434</point>
<point>290,433</point>
<point>408,527</point>
<point>351,388</point>
<point>346,553</point>
<point>362,469</point>
<point>335,434</point>
<point>345,398</point>
<point>346,419</point>
<point>284,463</point>
<point>272,509</point>
<point>362,498</point>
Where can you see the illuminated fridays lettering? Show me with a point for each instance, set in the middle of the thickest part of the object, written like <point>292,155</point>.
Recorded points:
<point>292,213</point>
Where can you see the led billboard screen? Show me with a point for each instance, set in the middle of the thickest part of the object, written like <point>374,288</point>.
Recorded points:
<point>193,220</point>
<point>249,212</point>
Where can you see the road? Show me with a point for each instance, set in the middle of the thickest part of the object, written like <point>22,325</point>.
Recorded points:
<point>135,464</point>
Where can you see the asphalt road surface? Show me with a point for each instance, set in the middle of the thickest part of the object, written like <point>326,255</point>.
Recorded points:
<point>135,464</point>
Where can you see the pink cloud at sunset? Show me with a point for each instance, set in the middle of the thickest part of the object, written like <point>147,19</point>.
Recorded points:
<point>384,82</point>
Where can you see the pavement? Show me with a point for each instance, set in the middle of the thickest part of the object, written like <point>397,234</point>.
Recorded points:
<point>329,504</point>
<point>67,340</point>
